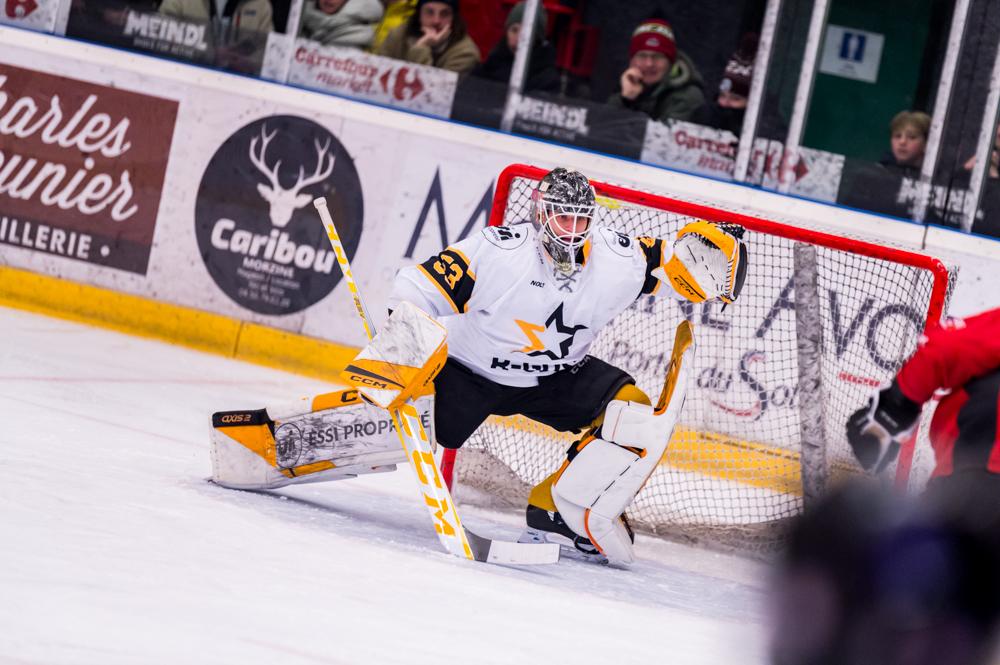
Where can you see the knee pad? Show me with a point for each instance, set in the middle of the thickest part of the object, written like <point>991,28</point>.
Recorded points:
<point>541,494</point>
<point>627,393</point>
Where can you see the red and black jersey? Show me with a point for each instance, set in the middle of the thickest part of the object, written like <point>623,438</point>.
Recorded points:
<point>961,356</point>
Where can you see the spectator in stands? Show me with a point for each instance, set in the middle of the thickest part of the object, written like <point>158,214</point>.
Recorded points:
<point>435,36</point>
<point>397,12</point>
<point>244,15</point>
<point>542,73</point>
<point>994,170</point>
<point>341,22</point>
<point>730,104</point>
<point>908,142</point>
<point>660,81</point>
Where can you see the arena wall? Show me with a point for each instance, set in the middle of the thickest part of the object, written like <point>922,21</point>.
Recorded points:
<point>172,217</point>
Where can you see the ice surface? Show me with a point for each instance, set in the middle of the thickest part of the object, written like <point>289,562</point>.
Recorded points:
<point>115,549</point>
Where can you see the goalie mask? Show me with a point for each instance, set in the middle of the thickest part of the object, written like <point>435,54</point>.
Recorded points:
<point>564,216</point>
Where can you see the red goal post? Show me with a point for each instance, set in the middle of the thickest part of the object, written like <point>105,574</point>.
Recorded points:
<point>765,416</point>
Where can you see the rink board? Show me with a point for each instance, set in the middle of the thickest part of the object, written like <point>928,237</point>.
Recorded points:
<point>205,259</point>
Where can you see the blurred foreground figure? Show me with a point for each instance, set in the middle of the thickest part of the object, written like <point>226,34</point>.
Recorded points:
<point>869,579</point>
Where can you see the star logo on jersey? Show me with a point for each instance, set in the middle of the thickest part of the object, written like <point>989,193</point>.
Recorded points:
<point>554,334</point>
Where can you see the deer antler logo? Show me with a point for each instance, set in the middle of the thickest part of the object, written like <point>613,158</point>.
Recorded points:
<point>286,201</point>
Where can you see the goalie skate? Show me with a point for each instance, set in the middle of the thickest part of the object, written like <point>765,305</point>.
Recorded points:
<point>546,526</point>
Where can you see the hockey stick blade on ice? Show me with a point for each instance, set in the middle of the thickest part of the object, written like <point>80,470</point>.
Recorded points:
<point>455,538</point>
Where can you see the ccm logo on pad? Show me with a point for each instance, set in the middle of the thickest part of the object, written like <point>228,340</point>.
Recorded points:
<point>364,380</point>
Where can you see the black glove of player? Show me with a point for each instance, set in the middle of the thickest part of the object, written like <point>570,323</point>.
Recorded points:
<point>876,430</point>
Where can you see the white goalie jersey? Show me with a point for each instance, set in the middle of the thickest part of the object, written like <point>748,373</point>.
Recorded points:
<point>510,317</point>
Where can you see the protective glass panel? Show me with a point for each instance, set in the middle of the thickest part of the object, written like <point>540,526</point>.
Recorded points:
<point>230,35</point>
<point>950,195</point>
<point>383,52</point>
<point>876,78</point>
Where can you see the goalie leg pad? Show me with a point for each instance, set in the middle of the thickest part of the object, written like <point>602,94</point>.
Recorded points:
<point>604,477</point>
<point>331,437</point>
<point>541,494</point>
<point>580,496</point>
<point>235,466</point>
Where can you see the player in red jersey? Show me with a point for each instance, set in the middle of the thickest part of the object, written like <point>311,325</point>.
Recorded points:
<point>960,358</point>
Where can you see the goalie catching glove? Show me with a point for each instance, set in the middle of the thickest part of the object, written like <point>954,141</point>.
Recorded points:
<point>877,430</point>
<point>709,262</point>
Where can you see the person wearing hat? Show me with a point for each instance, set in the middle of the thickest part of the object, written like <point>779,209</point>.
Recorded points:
<point>542,74</point>
<point>435,36</point>
<point>660,80</point>
<point>730,104</point>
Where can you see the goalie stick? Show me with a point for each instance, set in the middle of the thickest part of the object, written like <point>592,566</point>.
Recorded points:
<point>455,538</point>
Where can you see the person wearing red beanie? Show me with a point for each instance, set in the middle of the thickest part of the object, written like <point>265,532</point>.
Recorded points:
<point>660,80</point>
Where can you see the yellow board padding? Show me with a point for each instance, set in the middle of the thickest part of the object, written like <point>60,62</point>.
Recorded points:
<point>205,331</point>
<point>292,352</point>
<point>714,455</point>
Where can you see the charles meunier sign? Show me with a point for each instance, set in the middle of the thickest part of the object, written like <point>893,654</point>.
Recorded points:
<point>351,72</point>
<point>81,167</point>
<point>259,235</point>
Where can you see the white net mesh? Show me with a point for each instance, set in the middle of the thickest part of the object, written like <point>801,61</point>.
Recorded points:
<point>732,471</point>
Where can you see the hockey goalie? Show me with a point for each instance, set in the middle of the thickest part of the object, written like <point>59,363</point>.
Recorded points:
<point>522,305</point>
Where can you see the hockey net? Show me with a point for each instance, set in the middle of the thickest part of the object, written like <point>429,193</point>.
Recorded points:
<point>736,468</point>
